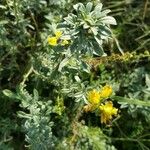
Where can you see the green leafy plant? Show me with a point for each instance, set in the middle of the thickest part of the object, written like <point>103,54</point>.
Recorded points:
<point>61,84</point>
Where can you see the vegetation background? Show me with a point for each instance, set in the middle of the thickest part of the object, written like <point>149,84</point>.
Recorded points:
<point>34,115</point>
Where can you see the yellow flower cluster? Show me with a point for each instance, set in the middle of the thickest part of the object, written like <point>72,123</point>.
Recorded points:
<point>106,92</point>
<point>107,111</point>
<point>95,98</point>
<point>53,41</point>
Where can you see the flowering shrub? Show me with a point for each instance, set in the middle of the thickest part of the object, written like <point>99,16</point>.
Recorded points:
<point>52,95</point>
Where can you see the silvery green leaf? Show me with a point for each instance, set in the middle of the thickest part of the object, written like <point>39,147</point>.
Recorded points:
<point>85,26</point>
<point>3,7</point>
<point>53,26</point>
<point>108,20</point>
<point>2,22</point>
<point>89,6</point>
<point>98,8</point>
<point>66,37</point>
<point>79,6</point>
<point>94,30</point>
<point>85,67</point>
<point>65,90</point>
<point>98,51</point>
<point>36,95</point>
<point>82,98</point>
<point>97,47</point>
<point>104,33</point>
<point>43,2</point>
<point>76,6</point>
<point>32,27</point>
<point>77,78</point>
<point>22,114</point>
<point>75,32</point>
<point>92,14</point>
<point>131,101</point>
<point>97,11</point>
<point>104,37</point>
<point>104,30</point>
<point>70,19</point>
<point>90,21</point>
<point>99,41</point>
<point>78,95</point>
<point>147,91</point>
<point>105,12</point>
<point>10,94</point>
<point>147,80</point>
<point>63,63</point>
<point>82,8</point>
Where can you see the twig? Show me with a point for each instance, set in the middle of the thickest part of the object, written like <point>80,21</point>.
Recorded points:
<point>26,75</point>
<point>145,9</point>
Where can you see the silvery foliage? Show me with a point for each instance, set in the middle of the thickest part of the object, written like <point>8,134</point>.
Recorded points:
<point>89,27</point>
<point>86,29</point>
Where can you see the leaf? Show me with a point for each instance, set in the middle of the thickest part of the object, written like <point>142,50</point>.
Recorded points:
<point>76,6</point>
<point>147,80</point>
<point>36,95</point>
<point>98,8</point>
<point>10,94</point>
<point>85,26</point>
<point>63,63</point>
<point>130,101</point>
<point>105,12</point>
<point>3,7</point>
<point>89,6</point>
<point>78,95</point>
<point>108,20</point>
<point>66,37</point>
<point>22,114</point>
<point>100,14</point>
<point>104,31</point>
<point>80,7</point>
<point>85,67</point>
<point>70,19</point>
<point>98,51</point>
<point>94,30</point>
<point>3,22</point>
<point>77,78</point>
<point>97,47</point>
<point>99,41</point>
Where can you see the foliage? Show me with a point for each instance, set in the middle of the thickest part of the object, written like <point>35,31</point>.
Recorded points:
<point>68,80</point>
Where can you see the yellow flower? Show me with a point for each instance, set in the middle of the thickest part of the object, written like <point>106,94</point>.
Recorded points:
<point>107,111</point>
<point>52,41</point>
<point>106,91</point>
<point>64,42</point>
<point>58,34</point>
<point>93,97</point>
